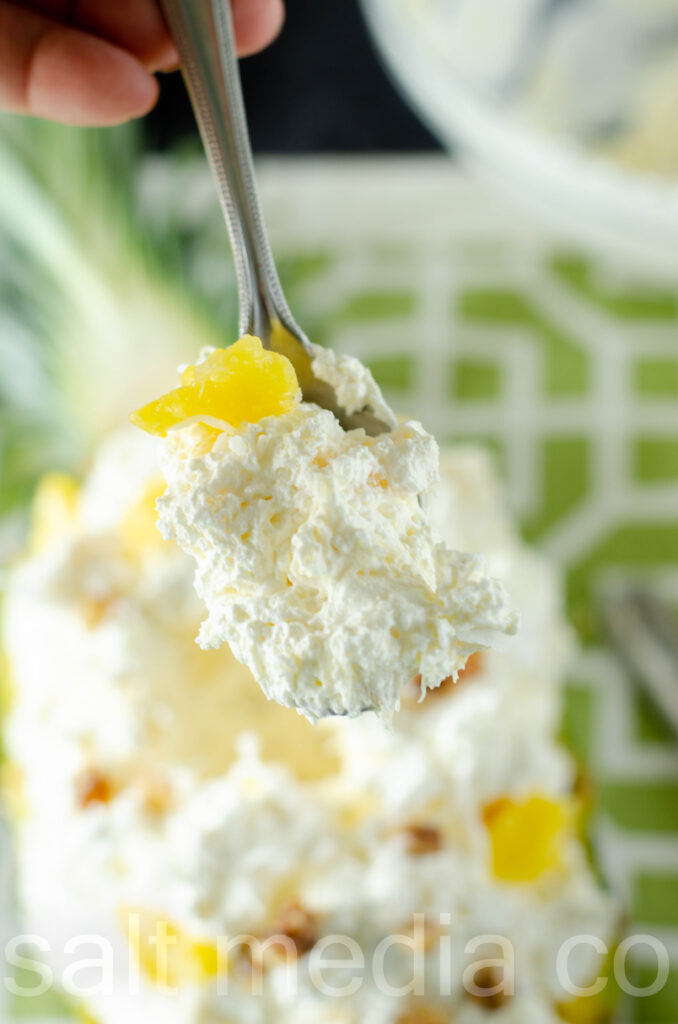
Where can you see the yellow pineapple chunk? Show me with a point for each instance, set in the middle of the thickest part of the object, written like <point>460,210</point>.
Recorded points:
<point>139,526</point>
<point>83,1016</point>
<point>7,685</point>
<point>166,955</point>
<point>240,384</point>
<point>13,791</point>
<point>598,1008</point>
<point>55,509</point>
<point>525,836</point>
<point>585,1010</point>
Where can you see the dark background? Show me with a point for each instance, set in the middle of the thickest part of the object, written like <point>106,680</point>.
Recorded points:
<point>319,88</point>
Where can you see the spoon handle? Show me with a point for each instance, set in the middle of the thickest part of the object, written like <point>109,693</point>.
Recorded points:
<point>203,33</point>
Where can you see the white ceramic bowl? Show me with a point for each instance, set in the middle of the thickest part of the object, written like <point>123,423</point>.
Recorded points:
<point>566,104</point>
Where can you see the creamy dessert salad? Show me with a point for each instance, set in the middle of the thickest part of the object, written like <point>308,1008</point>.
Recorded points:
<point>315,559</point>
<point>221,845</point>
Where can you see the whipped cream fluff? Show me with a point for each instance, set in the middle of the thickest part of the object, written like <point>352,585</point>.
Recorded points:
<point>353,384</point>
<point>469,504</point>
<point>315,560</point>
<point>223,811</point>
<point>439,742</point>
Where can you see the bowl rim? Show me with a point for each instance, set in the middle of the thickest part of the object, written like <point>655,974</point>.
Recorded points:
<point>585,197</point>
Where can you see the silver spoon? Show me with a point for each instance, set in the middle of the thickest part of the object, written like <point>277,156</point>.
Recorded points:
<point>203,33</point>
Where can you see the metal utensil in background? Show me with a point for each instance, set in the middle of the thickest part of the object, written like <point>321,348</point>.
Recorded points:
<point>644,632</point>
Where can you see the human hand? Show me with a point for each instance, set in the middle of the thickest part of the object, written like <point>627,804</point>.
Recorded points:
<point>91,62</point>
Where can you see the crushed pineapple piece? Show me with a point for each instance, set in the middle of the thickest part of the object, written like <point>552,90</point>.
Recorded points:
<point>7,685</point>
<point>13,791</point>
<point>139,527</point>
<point>167,956</point>
<point>240,384</point>
<point>585,1010</point>
<point>377,480</point>
<point>526,836</point>
<point>55,509</point>
<point>83,1016</point>
<point>599,1008</point>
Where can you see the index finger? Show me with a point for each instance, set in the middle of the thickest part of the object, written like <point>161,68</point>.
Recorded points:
<point>134,25</point>
<point>52,71</point>
<point>138,25</point>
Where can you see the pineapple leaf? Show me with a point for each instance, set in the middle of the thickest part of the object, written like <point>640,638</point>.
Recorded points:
<point>98,303</point>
